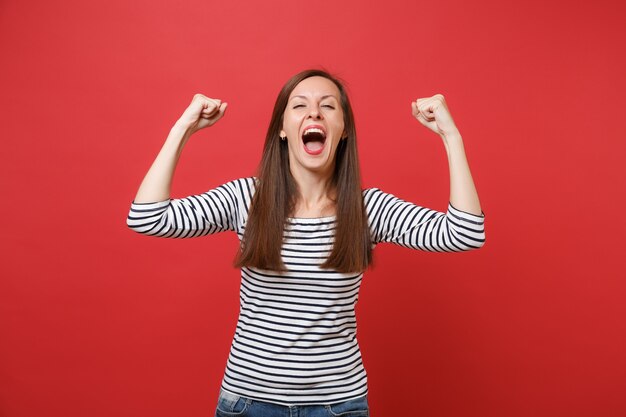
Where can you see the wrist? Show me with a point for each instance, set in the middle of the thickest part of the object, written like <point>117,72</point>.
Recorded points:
<point>451,138</point>
<point>453,143</point>
<point>178,137</point>
<point>452,135</point>
<point>183,128</point>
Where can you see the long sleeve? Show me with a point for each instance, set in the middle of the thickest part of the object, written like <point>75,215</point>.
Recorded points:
<point>397,221</point>
<point>214,211</point>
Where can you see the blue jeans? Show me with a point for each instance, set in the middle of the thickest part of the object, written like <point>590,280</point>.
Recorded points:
<point>231,405</point>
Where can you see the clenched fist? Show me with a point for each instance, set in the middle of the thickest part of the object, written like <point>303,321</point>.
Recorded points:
<point>202,112</point>
<point>433,113</point>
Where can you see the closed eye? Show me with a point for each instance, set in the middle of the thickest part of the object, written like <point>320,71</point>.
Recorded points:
<point>329,106</point>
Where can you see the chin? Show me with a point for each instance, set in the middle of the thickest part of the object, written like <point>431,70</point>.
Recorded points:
<point>319,166</point>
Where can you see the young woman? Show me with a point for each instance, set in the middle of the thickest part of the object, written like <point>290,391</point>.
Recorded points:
<point>307,231</point>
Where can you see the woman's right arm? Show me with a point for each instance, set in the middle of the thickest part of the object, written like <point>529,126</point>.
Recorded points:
<point>201,113</point>
<point>154,213</point>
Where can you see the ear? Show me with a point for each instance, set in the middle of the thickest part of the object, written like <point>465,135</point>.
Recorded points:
<point>282,134</point>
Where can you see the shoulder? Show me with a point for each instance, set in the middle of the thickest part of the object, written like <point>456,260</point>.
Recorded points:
<point>247,181</point>
<point>244,185</point>
<point>370,191</point>
<point>371,194</point>
<point>373,199</point>
<point>238,191</point>
<point>376,200</point>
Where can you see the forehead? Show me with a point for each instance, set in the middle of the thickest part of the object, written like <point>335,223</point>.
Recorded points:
<point>315,87</point>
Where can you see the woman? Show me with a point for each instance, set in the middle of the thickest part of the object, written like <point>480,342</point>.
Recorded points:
<point>307,231</point>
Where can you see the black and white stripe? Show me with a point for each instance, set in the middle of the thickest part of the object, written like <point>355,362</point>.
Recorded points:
<point>295,341</point>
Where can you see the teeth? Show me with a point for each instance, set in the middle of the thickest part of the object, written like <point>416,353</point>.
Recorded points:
<point>314,130</point>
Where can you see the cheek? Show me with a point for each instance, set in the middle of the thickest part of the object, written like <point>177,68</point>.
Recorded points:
<point>339,127</point>
<point>339,122</point>
<point>291,123</point>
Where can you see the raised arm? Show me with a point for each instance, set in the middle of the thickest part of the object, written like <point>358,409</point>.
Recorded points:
<point>153,212</point>
<point>461,227</point>
<point>201,113</point>
<point>433,113</point>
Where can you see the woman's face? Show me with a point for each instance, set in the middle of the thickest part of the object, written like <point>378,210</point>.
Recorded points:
<point>313,124</point>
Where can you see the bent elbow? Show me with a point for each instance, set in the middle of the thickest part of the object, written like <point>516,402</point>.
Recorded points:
<point>465,240</point>
<point>130,222</point>
<point>146,218</point>
<point>133,223</point>
<point>478,241</point>
<point>481,242</point>
<point>139,224</point>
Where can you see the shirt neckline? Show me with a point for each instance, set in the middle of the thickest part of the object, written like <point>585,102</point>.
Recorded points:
<point>312,218</point>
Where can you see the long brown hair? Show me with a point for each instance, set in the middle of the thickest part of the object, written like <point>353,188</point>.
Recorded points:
<point>277,191</point>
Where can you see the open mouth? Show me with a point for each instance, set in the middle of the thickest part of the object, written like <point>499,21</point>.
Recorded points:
<point>313,139</point>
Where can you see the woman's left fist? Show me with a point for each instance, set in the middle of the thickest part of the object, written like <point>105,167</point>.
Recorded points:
<point>433,113</point>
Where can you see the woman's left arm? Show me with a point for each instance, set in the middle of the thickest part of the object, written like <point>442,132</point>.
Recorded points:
<point>461,227</point>
<point>433,113</point>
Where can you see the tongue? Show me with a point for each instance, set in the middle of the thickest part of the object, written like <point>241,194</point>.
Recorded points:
<point>314,145</point>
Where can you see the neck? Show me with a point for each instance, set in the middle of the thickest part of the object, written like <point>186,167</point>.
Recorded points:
<point>316,198</point>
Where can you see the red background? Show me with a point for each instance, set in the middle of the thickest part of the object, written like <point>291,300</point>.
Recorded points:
<point>98,321</point>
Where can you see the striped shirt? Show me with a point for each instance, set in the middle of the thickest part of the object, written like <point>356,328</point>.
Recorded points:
<point>295,341</point>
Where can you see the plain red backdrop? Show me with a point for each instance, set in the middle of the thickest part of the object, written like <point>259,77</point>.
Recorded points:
<point>98,321</point>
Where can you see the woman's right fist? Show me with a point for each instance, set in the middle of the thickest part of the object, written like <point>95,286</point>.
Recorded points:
<point>202,112</point>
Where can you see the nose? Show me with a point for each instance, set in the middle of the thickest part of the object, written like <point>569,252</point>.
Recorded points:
<point>315,113</point>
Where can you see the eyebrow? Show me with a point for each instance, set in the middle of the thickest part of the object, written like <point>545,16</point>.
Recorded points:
<point>323,97</point>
